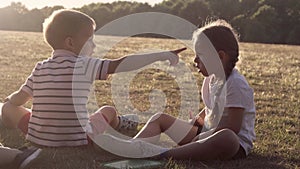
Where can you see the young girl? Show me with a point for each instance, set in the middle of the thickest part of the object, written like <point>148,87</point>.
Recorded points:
<point>225,127</point>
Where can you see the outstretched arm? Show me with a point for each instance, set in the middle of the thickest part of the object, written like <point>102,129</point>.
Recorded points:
<point>134,62</point>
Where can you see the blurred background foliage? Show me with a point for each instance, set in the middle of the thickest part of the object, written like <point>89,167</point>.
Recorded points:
<point>261,21</point>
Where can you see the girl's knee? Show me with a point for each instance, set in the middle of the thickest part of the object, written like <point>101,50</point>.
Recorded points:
<point>229,136</point>
<point>232,141</point>
<point>163,120</point>
<point>158,116</point>
<point>108,111</point>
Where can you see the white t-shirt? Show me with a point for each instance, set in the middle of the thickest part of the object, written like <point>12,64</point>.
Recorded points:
<point>238,94</point>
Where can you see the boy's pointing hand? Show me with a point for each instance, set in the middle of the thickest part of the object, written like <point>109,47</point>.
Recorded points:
<point>177,51</point>
<point>174,58</point>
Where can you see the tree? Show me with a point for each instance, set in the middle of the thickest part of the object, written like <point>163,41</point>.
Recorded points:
<point>260,26</point>
<point>269,21</point>
<point>140,7</point>
<point>11,16</point>
<point>195,11</point>
<point>101,15</point>
<point>32,21</point>
<point>170,6</point>
<point>47,11</point>
<point>18,7</point>
<point>226,9</point>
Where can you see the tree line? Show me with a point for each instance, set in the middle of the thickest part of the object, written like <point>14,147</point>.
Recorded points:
<point>263,21</point>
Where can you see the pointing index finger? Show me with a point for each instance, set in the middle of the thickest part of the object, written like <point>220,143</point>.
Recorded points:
<point>177,51</point>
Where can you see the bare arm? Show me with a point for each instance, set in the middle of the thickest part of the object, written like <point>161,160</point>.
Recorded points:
<point>233,121</point>
<point>18,98</point>
<point>134,62</point>
<point>199,118</point>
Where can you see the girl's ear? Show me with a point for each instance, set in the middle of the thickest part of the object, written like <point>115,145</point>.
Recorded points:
<point>222,54</point>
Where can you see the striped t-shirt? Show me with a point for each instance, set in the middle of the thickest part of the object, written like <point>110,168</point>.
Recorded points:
<point>60,87</point>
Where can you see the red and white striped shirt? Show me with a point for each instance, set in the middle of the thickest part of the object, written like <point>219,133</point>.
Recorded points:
<point>60,87</point>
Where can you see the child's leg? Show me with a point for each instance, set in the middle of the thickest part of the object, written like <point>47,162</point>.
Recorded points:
<point>128,148</point>
<point>179,131</point>
<point>7,155</point>
<point>221,145</point>
<point>15,116</point>
<point>105,116</point>
<point>14,158</point>
<point>111,115</point>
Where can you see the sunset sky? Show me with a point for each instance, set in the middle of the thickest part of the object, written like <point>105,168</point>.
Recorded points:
<point>30,4</point>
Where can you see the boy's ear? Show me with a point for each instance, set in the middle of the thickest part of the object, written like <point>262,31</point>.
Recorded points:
<point>69,43</point>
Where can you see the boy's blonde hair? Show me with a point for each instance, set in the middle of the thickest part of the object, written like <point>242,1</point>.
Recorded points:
<point>64,23</point>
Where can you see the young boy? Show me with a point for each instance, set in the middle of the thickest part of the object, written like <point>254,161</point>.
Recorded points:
<point>60,85</point>
<point>18,158</point>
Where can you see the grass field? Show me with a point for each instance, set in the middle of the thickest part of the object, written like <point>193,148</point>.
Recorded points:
<point>272,70</point>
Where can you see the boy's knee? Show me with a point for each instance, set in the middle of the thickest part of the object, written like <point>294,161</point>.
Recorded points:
<point>4,110</point>
<point>5,115</point>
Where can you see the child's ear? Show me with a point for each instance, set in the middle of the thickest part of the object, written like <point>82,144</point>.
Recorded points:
<point>69,43</point>
<point>222,54</point>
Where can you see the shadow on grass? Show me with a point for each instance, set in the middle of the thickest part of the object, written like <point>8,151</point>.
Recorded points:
<point>252,161</point>
<point>93,158</point>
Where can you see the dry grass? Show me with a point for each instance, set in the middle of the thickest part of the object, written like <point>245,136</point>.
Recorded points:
<point>272,70</point>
